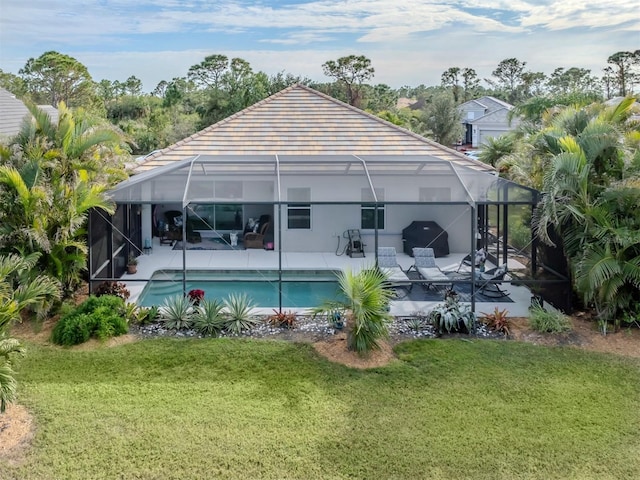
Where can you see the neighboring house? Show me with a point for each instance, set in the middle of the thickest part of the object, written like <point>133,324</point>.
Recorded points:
<point>484,118</point>
<point>13,111</point>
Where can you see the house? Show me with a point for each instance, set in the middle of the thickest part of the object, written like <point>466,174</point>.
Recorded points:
<point>302,124</point>
<point>316,170</point>
<point>13,111</point>
<point>484,118</point>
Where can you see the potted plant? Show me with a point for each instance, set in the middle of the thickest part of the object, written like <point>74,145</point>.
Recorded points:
<point>132,264</point>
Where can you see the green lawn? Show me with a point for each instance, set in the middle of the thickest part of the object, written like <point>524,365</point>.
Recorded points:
<point>221,408</point>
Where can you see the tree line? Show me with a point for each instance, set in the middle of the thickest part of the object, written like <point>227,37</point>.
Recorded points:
<point>218,87</point>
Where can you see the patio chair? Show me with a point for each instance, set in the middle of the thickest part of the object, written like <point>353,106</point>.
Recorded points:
<point>425,265</point>
<point>488,283</point>
<point>480,258</point>
<point>388,264</point>
<point>255,238</point>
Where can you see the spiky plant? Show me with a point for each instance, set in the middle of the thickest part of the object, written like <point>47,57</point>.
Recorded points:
<point>176,312</point>
<point>208,317</point>
<point>238,310</point>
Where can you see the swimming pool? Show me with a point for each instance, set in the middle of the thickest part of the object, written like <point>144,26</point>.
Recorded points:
<point>300,288</point>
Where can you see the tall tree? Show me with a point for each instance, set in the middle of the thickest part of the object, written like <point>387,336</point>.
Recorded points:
<point>208,73</point>
<point>160,89</point>
<point>12,83</point>
<point>508,76</point>
<point>624,64</point>
<point>574,79</point>
<point>350,72</point>
<point>442,118</point>
<point>450,79</point>
<point>470,83</point>
<point>133,85</point>
<point>381,97</point>
<point>54,77</point>
<point>533,84</point>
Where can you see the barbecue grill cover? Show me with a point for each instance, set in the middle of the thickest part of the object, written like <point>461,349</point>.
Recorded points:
<point>425,234</point>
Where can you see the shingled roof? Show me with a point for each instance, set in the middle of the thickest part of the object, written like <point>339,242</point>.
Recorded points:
<point>302,121</point>
<point>13,111</point>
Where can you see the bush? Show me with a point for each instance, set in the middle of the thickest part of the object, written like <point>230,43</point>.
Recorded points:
<point>451,316</point>
<point>544,321</point>
<point>99,317</point>
<point>208,318</point>
<point>283,319</point>
<point>239,313</point>
<point>498,320</point>
<point>176,312</point>
<point>118,289</point>
<point>72,330</point>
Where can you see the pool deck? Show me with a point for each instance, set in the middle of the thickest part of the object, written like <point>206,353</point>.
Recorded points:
<point>163,257</point>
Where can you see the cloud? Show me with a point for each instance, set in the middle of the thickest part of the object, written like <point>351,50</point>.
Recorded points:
<point>408,41</point>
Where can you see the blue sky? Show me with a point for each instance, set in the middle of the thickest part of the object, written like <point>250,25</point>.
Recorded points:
<point>408,41</point>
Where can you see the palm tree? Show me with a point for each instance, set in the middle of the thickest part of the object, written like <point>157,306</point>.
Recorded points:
<point>591,198</point>
<point>77,143</point>
<point>366,307</point>
<point>53,175</point>
<point>19,290</point>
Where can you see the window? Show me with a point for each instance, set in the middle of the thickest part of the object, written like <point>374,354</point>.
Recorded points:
<point>299,214</point>
<point>368,210</point>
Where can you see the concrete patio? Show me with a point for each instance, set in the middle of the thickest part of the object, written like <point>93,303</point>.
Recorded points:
<point>164,257</point>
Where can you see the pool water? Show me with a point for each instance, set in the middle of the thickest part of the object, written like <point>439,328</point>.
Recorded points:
<point>300,288</point>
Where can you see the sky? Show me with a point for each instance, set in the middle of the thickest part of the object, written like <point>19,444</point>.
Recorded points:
<point>409,42</point>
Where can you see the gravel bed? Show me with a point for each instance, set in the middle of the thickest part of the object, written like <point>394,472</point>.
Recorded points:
<point>308,328</point>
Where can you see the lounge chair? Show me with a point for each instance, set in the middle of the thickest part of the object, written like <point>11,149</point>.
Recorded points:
<point>480,258</point>
<point>488,283</point>
<point>388,264</point>
<point>425,265</point>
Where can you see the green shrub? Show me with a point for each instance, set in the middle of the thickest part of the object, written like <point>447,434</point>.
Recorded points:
<point>239,313</point>
<point>451,316</point>
<point>72,329</point>
<point>143,315</point>
<point>208,318</point>
<point>545,321</point>
<point>99,317</point>
<point>176,312</point>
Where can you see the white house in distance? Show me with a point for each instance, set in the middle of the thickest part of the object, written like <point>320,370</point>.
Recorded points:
<point>484,118</point>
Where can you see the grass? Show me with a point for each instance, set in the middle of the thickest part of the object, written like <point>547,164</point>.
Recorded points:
<point>228,408</point>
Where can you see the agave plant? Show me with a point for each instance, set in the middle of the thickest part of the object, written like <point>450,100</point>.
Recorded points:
<point>452,316</point>
<point>239,313</point>
<point>208,317</point>
<point>176,312</point>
